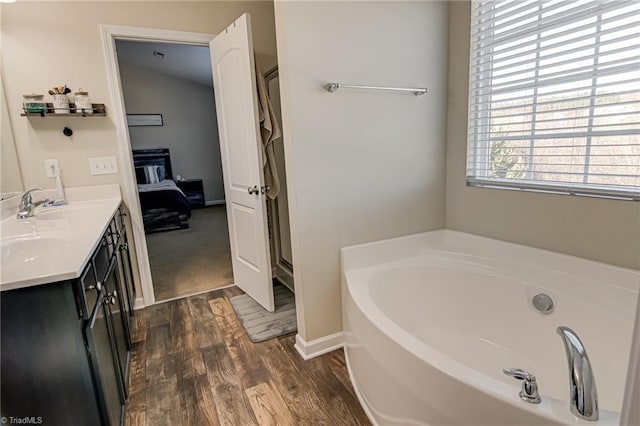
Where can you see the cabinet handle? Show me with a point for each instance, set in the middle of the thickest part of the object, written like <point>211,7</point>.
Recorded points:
<point>98,286</point>
<point>112,298</point>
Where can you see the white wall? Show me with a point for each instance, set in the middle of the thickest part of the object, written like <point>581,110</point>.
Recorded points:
<point>362,165</point>
<point>52,43</point>
<point>190,127</point>
<point>598,229</point>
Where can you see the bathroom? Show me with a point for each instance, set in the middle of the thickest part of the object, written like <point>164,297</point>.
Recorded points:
<point>362,166</point>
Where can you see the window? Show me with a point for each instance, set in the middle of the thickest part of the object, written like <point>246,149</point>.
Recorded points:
<point>554,96</point>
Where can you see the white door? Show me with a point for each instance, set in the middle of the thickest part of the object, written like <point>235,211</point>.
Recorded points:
<point>237,108</point>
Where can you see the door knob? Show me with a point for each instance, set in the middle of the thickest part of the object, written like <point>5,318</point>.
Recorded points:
<point>253,190</point>
<point>264,189</point>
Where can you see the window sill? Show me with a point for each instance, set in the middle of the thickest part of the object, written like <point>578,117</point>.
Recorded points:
<point>554,188</point>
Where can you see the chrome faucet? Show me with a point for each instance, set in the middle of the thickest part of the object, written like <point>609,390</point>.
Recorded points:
<point>27,205</point>
<point>584,395</point>
<point>529,392</point>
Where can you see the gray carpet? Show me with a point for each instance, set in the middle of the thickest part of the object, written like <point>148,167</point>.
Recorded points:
<point>188,261</point>
<point>261,324</point>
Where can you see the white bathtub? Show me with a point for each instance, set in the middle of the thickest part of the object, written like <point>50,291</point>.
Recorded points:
<point>432,319</point>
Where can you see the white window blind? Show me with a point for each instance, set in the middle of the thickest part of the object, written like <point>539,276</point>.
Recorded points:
<point>554,96</point>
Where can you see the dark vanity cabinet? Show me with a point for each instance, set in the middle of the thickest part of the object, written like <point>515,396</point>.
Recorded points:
<point>65,347</point>
<point>102,357</point>
<point>113,304</point>
<point>120,248</point>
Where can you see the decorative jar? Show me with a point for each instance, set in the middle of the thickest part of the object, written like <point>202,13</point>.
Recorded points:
<point>33,103</point>
<point>83,102</point>
<point>61,104</point>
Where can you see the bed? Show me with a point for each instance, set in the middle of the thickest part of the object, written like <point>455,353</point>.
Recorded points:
<point>164,206</point>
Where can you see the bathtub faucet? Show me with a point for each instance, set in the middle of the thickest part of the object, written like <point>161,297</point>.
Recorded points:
<point>584,395</point>
<point>529,392</point>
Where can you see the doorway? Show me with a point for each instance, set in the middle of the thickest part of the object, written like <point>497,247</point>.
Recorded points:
<point>169,101</point>
<point>242,175</point>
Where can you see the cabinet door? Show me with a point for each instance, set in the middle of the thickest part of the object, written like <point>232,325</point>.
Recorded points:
<point>44,368</point>
<point>104,362</point>
<point>119,320</point>
<point>101,258</point>
<point>89,290</point>
<point>126,274</point>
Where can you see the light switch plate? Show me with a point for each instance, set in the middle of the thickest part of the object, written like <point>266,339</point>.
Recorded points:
<point>103,165</point>
<point>52,167</point>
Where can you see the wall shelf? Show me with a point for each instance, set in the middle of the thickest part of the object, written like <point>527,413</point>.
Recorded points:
<point>98,111</point>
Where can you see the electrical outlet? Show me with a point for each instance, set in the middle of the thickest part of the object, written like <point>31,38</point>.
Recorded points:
<point>52,167</point>
<point>103,165</point>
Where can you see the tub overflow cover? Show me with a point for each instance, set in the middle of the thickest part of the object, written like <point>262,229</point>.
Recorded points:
<point>543,303</point>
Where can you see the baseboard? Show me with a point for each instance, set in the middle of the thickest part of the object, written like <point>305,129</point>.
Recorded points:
<point>214,202</point>
<point>138,304</point>
<point>317,347</point>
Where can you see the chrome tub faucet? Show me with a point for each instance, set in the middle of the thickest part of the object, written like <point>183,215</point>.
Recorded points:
<point>584,395</point>
<point>529,392</point>
<point>27,205</point>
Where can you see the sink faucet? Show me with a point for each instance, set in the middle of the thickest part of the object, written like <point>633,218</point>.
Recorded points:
<point>27,205</point>
<point>584,395</point>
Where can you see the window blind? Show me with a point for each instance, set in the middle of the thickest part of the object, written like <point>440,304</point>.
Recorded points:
<point>554,96</point>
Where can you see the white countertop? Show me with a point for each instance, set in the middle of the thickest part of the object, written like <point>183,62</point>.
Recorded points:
<point>55,244</point>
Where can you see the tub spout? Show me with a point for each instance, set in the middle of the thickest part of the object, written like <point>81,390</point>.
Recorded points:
<point>584,395</point>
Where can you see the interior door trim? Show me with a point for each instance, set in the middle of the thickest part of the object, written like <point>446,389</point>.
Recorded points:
<point>111,33</point>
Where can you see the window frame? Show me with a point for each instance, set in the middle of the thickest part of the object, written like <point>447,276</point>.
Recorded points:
<point>478,148</point>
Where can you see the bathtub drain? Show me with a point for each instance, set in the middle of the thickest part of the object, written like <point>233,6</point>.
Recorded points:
<point>543,303</point>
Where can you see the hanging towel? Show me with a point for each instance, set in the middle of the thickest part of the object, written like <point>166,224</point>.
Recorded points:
<point>270,133</point>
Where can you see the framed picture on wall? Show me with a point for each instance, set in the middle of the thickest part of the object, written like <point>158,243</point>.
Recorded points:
<point>135,120</point>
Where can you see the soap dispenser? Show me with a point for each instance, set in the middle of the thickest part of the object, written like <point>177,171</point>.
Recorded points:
<point>61,198</point>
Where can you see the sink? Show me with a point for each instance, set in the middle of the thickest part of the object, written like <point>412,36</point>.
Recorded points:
<point>43,238</point>
<point>53,245</point>
<point>28,249</point>
<point>12,228</point>
<point>59,213</point>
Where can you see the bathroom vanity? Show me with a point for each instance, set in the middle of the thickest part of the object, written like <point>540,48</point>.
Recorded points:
<point>66,315</point>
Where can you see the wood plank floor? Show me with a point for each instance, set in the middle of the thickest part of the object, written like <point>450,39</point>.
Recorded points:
<point>193,364</point>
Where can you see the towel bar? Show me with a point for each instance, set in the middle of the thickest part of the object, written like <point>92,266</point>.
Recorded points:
<point>332,87</point>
